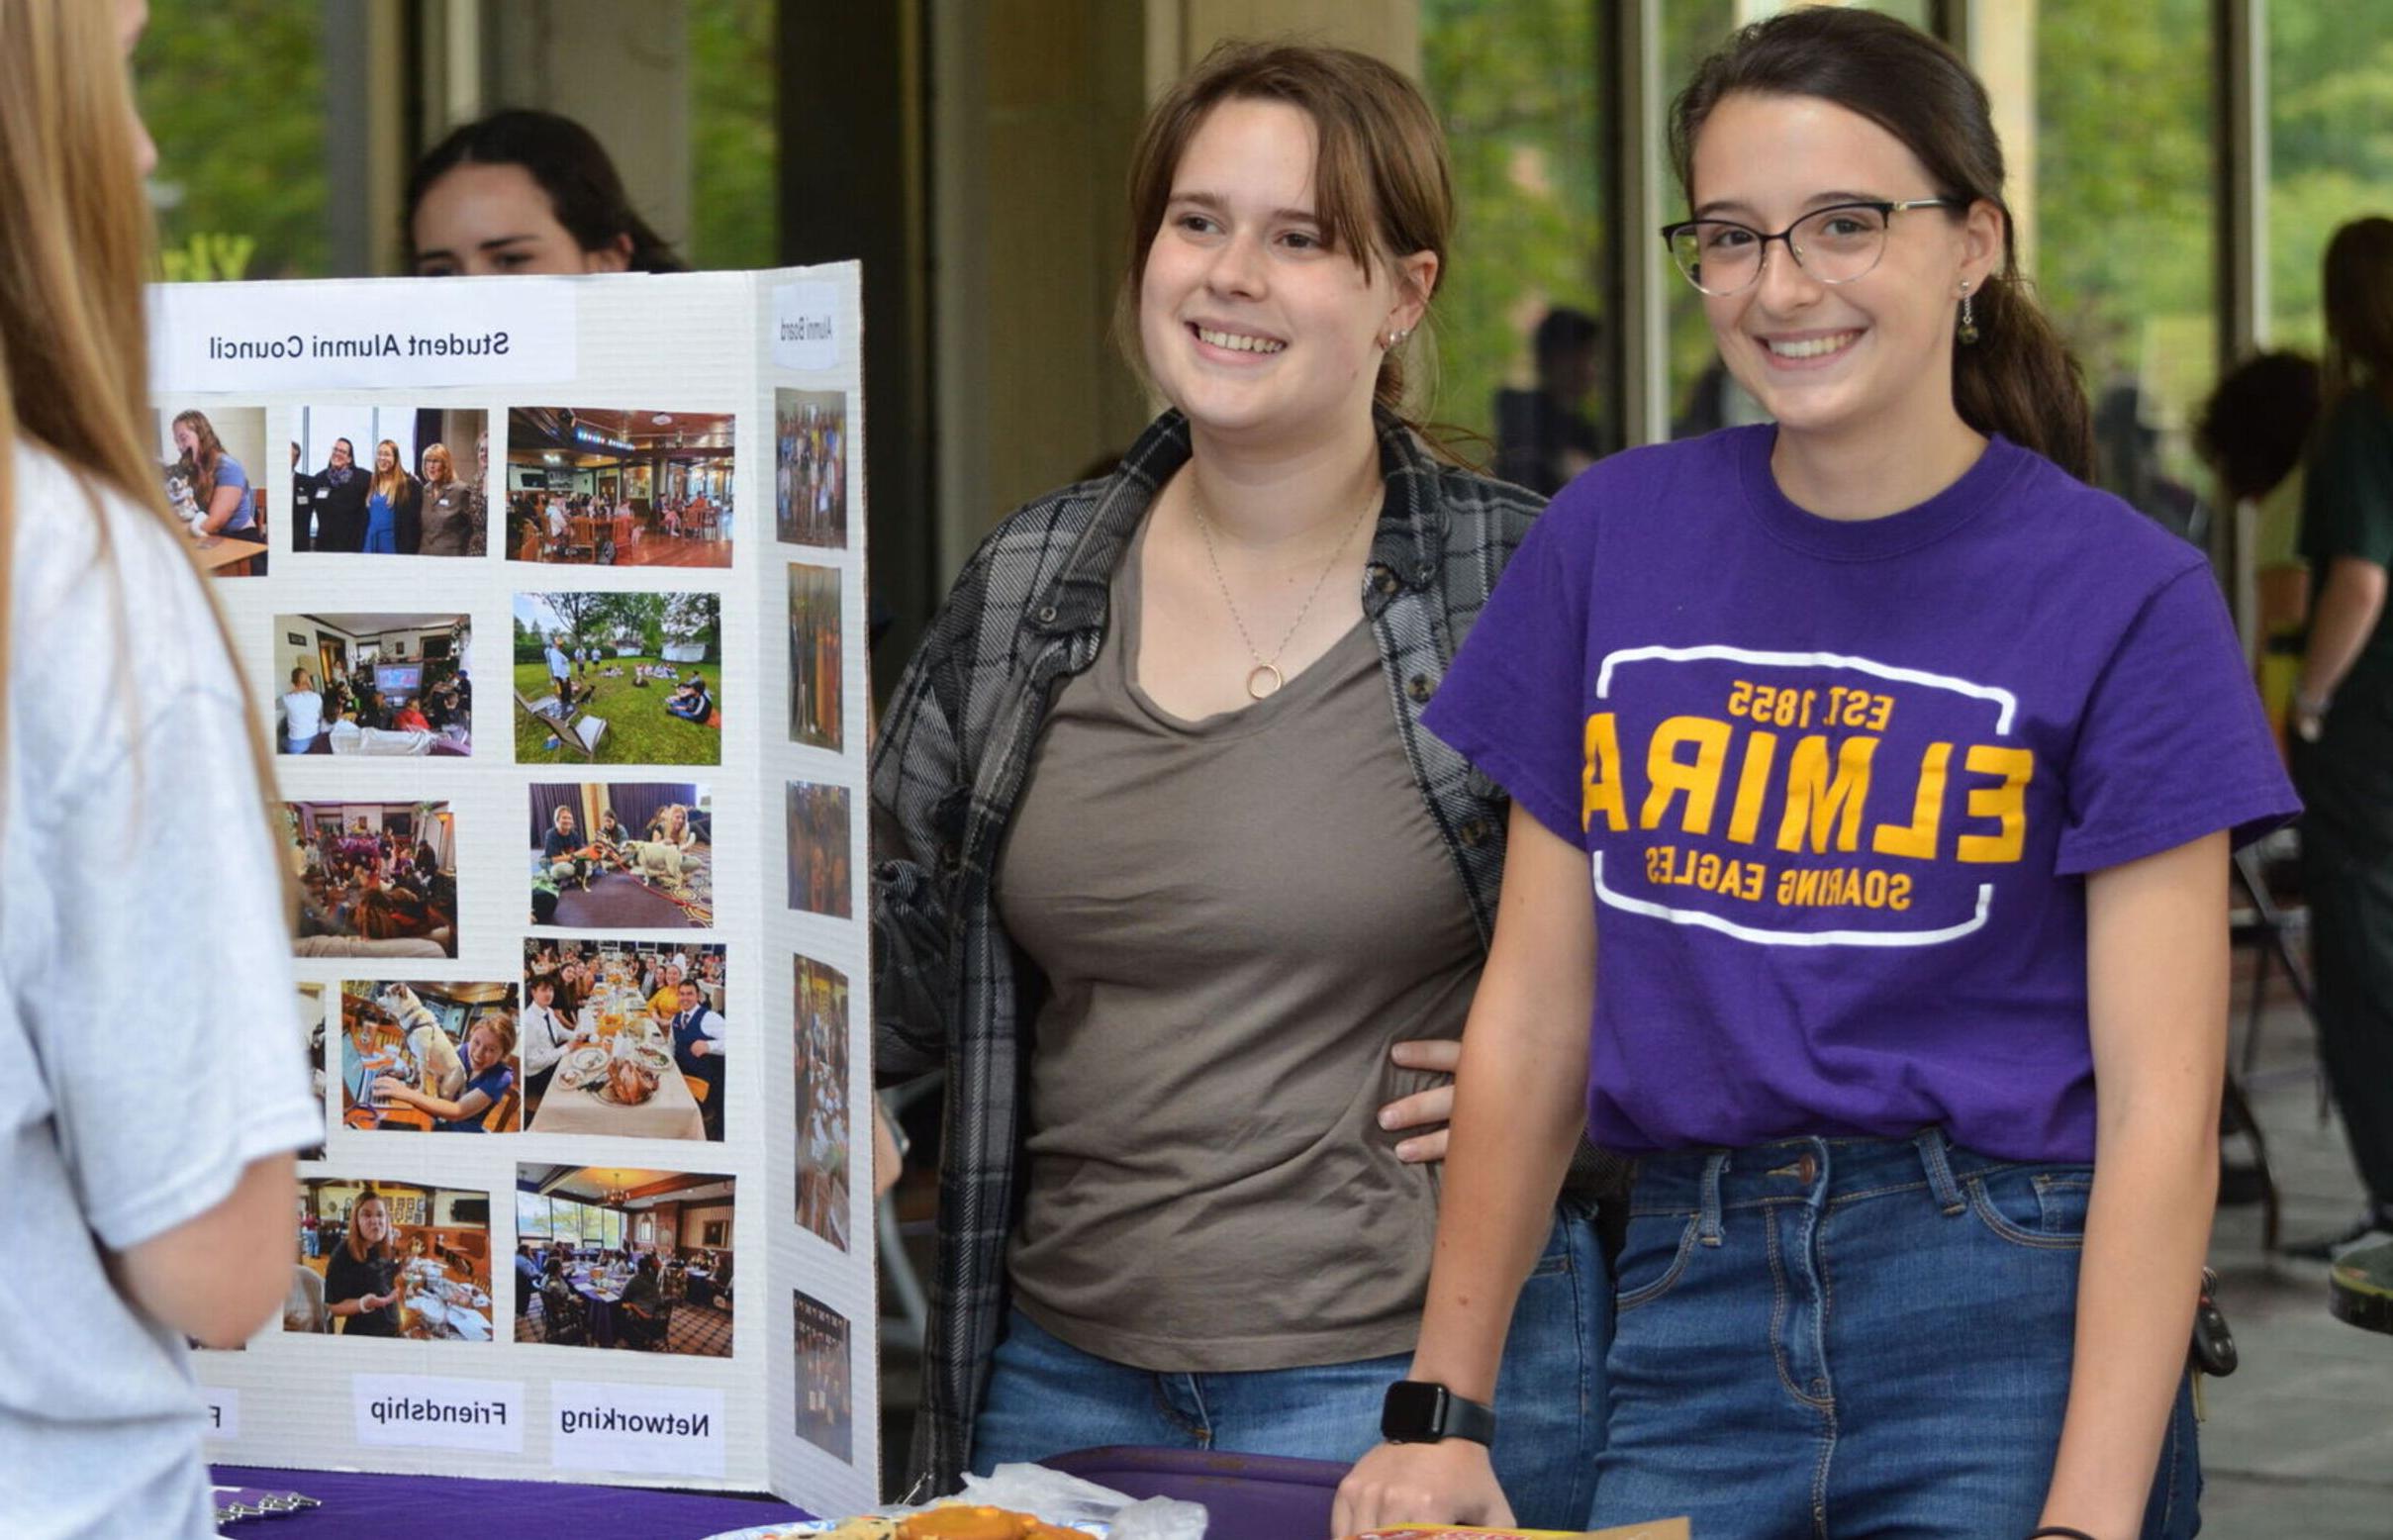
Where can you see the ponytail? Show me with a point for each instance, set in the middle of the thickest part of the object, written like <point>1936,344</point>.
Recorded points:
<point>2018,379</point>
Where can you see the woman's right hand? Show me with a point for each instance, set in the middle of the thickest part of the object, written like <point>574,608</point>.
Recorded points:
<point>1450,1482</point>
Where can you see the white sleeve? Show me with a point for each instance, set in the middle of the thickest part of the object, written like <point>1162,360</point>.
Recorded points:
<point>716,1029</point>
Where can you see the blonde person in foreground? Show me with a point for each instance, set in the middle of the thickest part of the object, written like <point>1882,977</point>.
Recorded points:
<point>149,1106</point>
<point>1896,769</point>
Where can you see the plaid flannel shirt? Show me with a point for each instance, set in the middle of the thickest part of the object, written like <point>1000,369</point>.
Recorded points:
<point>949,988</point>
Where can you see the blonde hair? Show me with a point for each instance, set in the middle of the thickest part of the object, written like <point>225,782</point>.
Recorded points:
<point>202,462</point>
<point>395,485</point>
<point>503,1024</point>
<point>449,466</point>
<point>75,244</point>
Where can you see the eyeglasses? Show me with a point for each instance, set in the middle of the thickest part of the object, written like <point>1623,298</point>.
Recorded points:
<point>1835,244</point>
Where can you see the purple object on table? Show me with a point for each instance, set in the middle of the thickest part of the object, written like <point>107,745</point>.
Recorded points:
<point>409,1507</point>
<point>1246,1497</point>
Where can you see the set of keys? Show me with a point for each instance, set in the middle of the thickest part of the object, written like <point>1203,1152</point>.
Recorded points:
<point>233,1503</point>
<point>2214,1354</point>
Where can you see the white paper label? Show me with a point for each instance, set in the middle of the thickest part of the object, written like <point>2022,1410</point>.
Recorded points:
<point>655,1430</point>
<point>422,1412</point>
<point>369,334</point>
<point>222,1411</point>
<point>806,325</point>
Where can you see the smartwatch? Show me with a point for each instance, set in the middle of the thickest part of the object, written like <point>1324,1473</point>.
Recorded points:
<point>1423,1412</point>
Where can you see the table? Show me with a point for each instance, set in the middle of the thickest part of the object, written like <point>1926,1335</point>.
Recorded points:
<point>409,1507</point>
<point>671,1114</point>
<point>602,1304</point>
<point>226,555</point>
<point>700,1284</point>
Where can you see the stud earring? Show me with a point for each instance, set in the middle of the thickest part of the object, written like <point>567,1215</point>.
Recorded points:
<point>1969,318</point>
<point>1395,339</point>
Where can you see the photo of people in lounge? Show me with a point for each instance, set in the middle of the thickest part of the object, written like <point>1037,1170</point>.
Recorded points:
<point>311,1027</point>
<point>624,489</point>
<point>429,1057</point>
<point>622,856</point>
<point>621,679</point>
<point>614,1258</point>
<point>823,1121</point>
<point>826,1403</point>
<point>810,467</point>
<point>376,879</point>
<point>209,462</point>
<point>390,1259</point>
<point>391,685</point>
<point>819,859</point>
<point>623,1038</point>
<point>814,656</point>
<point>389,481</point>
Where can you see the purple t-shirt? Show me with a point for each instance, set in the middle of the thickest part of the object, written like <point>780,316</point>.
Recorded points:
<point>1840,783</point>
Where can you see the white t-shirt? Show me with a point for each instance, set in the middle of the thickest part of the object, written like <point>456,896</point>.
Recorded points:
<point>150,1047</point>
<point>302,713</point>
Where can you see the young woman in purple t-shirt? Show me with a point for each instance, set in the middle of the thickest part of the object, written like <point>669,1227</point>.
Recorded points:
<point>1902,769</point>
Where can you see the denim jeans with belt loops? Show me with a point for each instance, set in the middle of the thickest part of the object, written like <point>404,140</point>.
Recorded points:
<point>1837,1338</point>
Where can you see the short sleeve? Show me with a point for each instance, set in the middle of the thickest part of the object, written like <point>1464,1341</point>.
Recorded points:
<point>2173,743</point>
<point>228,473</point>
<point>1513,701</point>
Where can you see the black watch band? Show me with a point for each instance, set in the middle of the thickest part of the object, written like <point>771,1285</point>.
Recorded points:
<point>1423,1412</point>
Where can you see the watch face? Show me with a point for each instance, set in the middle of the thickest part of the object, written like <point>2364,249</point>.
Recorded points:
<point>1414,1409</point>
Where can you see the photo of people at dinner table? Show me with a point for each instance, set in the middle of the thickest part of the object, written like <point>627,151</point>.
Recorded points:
<point>395,686</point>
<point>437,1058</point>
<point>620,489</point>
<point>609,1257</point>
<point>390,1259</point>
<point>623,1038</point>
<point>823,1120</point>
<point>376,879</point>
<point>618,678</point>
<point>622,856</point>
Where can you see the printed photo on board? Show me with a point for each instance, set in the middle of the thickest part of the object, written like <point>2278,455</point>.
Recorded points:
<point>389,481</point>
<point>810,467</point>
<point>310,1026</point>
<point>381,685</point>
<point>815,675</point>
<point>437,1057</point>
<point>209,463</point>
<point>823,1123</point>
<point>622,856</point>
<point>624,489</point>
<point>619,679</point>
<point>609,1257</point>
<point>826,1401</point>
<point>390,1259</point>
<point>817,859</point>
<point>623,1038</point>
<point>376,879</point>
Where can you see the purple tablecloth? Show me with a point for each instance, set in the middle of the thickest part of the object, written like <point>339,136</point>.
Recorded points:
<point>370,1508</point>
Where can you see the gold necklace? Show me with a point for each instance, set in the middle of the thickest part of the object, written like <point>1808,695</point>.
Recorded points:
<point>1265,679</point>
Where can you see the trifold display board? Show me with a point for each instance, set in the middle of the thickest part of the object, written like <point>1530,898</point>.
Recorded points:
<point>553,590</point>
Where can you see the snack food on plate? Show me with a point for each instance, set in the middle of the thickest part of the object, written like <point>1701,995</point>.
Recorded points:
<point>970,1521</point>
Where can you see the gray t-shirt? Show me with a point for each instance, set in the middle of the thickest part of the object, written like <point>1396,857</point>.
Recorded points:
<point>1236,917</point>
<point>149,1044</point>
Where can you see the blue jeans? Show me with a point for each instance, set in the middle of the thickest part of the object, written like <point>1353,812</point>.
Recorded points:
<point>1824,1337</point>
<point>1047,1397</point>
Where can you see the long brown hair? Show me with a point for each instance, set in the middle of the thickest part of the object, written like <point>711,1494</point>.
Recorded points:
<point>355,1244</point>
<point>2358,298</point>
<point>1381,189</point>
<point>201,464</point>
<point>2018,379</point>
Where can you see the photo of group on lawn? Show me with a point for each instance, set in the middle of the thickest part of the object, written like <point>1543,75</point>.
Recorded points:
<point>622,856</point>
<point>376,879</point>
<point>390,1259</point>
<point>373,684</point>
<point>389,481</point>
<point>623,1038</point>
<point>618,678</point>
<point>823,1120</point>
<point>620,489</point>
<point>609,1257</point>
<point>810,467</point>
<point>429,1057</point>
<point>815,693</point>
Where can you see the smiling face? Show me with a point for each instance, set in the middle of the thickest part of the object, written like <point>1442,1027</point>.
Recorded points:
<point>1249,323</point>
<point>386,457</point>
<point>1873,353</point>
<point>343,455</point>
<point>482,1048</point>
<point>486,220</point>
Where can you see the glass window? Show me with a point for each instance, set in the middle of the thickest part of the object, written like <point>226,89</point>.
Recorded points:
<point>234,93</point>
<point>2123,205</point>
<point>2330,144</point>
<point>1518,351</point>
<point>733,134</point>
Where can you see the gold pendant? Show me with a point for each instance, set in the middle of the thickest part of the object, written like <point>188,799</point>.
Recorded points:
<point>1264,680</point>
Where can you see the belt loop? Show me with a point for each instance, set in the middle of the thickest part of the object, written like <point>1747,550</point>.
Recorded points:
<point>1707,1230</point>
<point>1932,1143</point>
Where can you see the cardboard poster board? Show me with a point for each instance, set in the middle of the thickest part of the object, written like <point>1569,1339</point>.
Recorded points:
<point>578,728</point>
